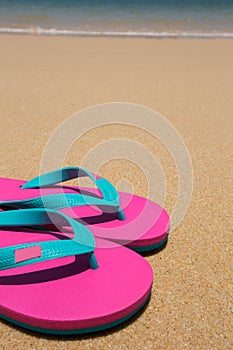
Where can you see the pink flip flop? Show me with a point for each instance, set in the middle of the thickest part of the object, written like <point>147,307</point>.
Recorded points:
<point>61,283</point>
<point>121,217</point>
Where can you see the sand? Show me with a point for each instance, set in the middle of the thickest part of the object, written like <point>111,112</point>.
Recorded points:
<point>44,80</point>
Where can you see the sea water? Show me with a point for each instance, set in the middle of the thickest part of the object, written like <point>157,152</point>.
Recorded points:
<point>137,18</point>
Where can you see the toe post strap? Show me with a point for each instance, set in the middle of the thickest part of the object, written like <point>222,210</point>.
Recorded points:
<point>82,242</point>
<point>109,196</point>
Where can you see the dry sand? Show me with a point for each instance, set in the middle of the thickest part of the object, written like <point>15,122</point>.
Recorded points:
<point>43,80</point>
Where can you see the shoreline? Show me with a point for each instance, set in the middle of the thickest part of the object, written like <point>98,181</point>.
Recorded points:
<point>38,31</point>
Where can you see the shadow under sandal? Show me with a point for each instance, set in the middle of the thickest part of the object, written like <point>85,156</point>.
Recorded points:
<point>66,282</point>
<point>124,218</point>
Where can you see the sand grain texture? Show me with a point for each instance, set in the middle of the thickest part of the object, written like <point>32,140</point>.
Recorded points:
<point>44,80</point>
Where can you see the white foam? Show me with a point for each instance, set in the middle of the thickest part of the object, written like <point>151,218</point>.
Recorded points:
<point>136,34</point>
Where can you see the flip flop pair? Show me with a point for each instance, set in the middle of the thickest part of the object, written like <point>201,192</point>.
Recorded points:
<point>120,217</point>
<point>64,277</point>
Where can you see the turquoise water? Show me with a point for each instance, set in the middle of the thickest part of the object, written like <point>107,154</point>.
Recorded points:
<point>149,18</point>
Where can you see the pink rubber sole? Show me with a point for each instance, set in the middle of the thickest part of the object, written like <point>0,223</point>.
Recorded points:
<point>65,295</point>
<point>146,224</point>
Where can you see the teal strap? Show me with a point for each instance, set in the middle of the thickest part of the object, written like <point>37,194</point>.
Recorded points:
<point>110,197</point>
<point>82,243</point>
<point>107,190</point>
<point>57,176</point>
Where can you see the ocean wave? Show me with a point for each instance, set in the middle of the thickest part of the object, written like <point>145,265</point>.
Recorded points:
<point>136,34</point>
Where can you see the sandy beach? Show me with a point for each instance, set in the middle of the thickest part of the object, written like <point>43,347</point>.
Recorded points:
<point>44,80</point>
